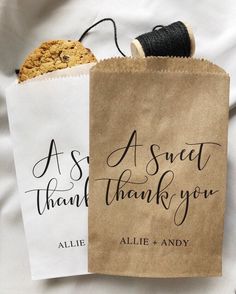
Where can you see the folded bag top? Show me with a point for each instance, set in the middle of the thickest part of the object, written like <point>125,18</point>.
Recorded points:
<point>158,161</point>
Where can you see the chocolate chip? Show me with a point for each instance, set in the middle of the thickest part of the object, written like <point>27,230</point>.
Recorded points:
<point>65,58</point>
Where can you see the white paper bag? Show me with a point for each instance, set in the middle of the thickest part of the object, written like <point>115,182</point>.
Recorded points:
<point>50,134</point>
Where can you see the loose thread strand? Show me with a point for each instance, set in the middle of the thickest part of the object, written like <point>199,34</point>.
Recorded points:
<point>115,33</point>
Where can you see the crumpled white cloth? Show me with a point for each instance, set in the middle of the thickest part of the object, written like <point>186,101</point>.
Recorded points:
<point>23,26</point>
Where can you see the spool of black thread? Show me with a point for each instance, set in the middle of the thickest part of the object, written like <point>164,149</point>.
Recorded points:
<point>176,39</point>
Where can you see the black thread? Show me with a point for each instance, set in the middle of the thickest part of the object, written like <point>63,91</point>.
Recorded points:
<point>171,40</point>
<point>157,26</point>
<point>115,33</point>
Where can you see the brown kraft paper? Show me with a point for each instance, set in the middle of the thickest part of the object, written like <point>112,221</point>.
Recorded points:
<point>158,160</point>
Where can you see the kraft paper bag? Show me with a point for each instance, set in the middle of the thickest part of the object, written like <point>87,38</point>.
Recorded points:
<point>49,119</point>
<point>158,160</point>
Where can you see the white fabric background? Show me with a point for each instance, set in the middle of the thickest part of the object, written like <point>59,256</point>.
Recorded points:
<point>23,26</point>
